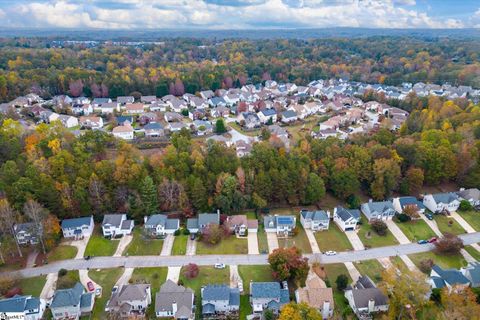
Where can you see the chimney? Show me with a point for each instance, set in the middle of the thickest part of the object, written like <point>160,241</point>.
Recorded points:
<point>145,219</point>
<point>371,305</point>
<point>326,309</point>
<point>174,307</point>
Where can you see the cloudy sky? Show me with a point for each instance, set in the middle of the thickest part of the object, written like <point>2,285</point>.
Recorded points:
<point>238,14</point>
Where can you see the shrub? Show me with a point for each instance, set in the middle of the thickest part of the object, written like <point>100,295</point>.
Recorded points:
<point>177,232</point>
<point>7,283</point>
<point>341,282</point>
<point>191,271</point>
<point>213,234</point>
<point>465,206</point>
<point>186,231</point>
<point>353,201</point>
<point>379,227</point>
<point>426,265</point>
<point>436,295</point>
<point>62,272</point>
<point>403,217</point>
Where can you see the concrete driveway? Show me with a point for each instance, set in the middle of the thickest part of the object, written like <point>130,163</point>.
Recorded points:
<point>253,243</point>
<point>397,232</point>
<point>313,241</point>
<point>174,273</point>
<point>122,245</point>
<point>84,279</point>
<point>125,277</point>
<point>49,287</point>
<point>191,247</point>
<point>234,276</point>
<point>352,271</point>
<point>167,245</point>
<point>465,225</point>
<point>272,241</point>
<point>81,245</point>
<point>237,136</point>
<point>432,224</point>
<point>355,240</point>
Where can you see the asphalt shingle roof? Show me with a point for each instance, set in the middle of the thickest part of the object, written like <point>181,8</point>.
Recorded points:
<point>446,197</point>
<point>315,215</point>
<point>19,304</point>
<point>76,222</point>
<point>67,297</point>
<point>346,214</point>
<point>405,201</point>
<point>450,276</point>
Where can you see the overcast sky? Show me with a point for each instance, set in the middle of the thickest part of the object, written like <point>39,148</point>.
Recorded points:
<point>239,14</point>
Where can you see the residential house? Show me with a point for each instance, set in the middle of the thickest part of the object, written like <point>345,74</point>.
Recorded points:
<point>172,117</point>
<point>177,126</point>
<point>72,303</point>
<point>366,299</point>
<point>268,295</point>
<point>250,120</point>
<point>123,132</point>
<point>316,295</point>
<point>198,103</point>
<point>91,122</point>
<point>243,148</point>
<point>148,99</point>
<point>400,203</point>
<point>49,116</point>
<point>77,228</point>
<point>67,121</point>
<point>107,108</point>
<point>441,278</point>
<point>174,301</point>
<point>231,98</point>
<point>158,106</point>
<point>147,117</point>
<point>196,225</point>
<point>471,195</point>
<point>314,107</point>
<point>97,102</point>
<point>346,219</point>
<point>130,301</point>
<point>22,307</point>
<point>300,110</point>
<point>116,225</point>
<point>124,120</point>
<point>240,225</point>
<point>440,202</point>
<point>221,139</point>
<point>472,273</point>
<point>278,131</point>
<point>207,94</point>
<point>217,102</point>
<point>123,100</point>
<point>267,115</point>
<point>82,109</point>
<point>220,112</point>
<point>134,108</point>
<point>177,105</point>
<point>197,114</point>
<point>153,130</point>
<point>159,225</point>
<point>26,233</point>
<point>317,220</point>
<point>202,127</point>
<point>289,116</point>
<point>219,299</point>
<point>281,225</point>
<point>378,210</point>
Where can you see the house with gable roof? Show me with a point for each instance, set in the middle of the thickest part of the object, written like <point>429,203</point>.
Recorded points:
<point>316,295</point>
<point>281,225</point>
<point>241,225</point>
<point>400,203</point>
<point>471,195</point>
<point>174,301</point>
<point>130,301</point>
<point>159,225</point>
<point>268,295</point>
<point>378,210</point>
<point>72,303</point>
<point>219,299</point>
<point>22,307</point>
<point>365,298</point>
<point>77,228</point>
<point>440,202</point>
<point>441,278</point>
<point>346,219</point>
<point>317,220</point>
<point>196,225</point>
<point>472,273</point>
<point>116,225</point>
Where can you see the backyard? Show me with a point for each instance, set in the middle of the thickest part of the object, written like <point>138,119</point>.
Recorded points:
<point>155,277</point>
<point>472,217</point>
<point>333,239</point>
<point>179,245</point>
<point>448,225</point>
<point>371,239</point>
<point>260,273</point>
<point>106,278</point>
<point>416,230</point>
<point>333,271</point>
<point>62,252</point>
<point>99,245</point>
<point>229,245</point>
<point>372,268</point>
<point>143,246</point>
<point>446,262</point>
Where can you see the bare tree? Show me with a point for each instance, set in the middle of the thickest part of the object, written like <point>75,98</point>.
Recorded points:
<point>37,213</point>
<point>8,218</point>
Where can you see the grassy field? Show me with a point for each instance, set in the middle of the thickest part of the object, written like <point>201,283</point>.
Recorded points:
<point>207,275</point>
<point>142,246</point>
<point>69,280</point>
<point>473,252</point>
<point>251,133</point>
<point>100,246</point>
<point>445,227</point>
<point>155,277</point>
<point>371,268</point>
<point>230,245</point>
<point>472,217</point>
<point>300,241</point>
<point>32,286</point>
<point>261,273</point>
<point>105,278</point>
<point>180,245</point>
<point>333,239</point>
<point>416,230</point>
<point>62,252</point>
<point>333,271</point>
<point>262,239</point>
<point>374,240</point>
<point>446,262</point>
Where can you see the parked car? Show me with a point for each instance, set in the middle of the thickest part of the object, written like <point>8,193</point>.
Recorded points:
<point>422,241</point>
<point>429,216</point>
<point>432,240</point>
<point>330,253</point>
<point>192,236</point>
<point>219,266</point>
<point>90,286</point>
<point>98,291</point>
<point>240,286</point>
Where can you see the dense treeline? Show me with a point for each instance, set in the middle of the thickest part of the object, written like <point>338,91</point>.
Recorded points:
<point>95,174</point>
<point>30,65</point>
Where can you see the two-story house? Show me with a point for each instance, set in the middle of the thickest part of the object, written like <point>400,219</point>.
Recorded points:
<point>72,303</point>
<point>116,225</point>
<point>366,299</point>
<point>317,295</point>
<point>219,299</point>
<point>378,210</point>
<point>130,301</point>
<point>22,307</point>
<point>317,220</point>
<point>281,225</point>
<point>196,225</point>
<point>27,233</point>
<point>159,225</point>
<point>346,219</point>
<point>401,203</point>
<point>123,132</point>
<point>241,225</point>
<point>77,228</point>
<point>440,202</point>
<point>174,301</point>
<point>472,273</point>
<point>268,295</point>
<point>471,195</point>
<point>441,278</point>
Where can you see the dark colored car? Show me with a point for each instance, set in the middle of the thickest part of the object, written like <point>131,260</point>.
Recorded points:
<point>429,216</point>
<point>432,240</point>
<point>422,241</point>
<point>90,286</point>
<point>192,236</point>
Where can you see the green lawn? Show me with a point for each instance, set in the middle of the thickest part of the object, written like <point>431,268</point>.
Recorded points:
<point>333,271</point>
<point>416,230</point>
<point>156,277</point>
<point>300,240</point>
<point>179,245</point>
<point>229,245</point>
<point>107,279</point>
<point>472,217</point>
<point>262,239</point>
<point>473,252</point>
<point>371,239</point>
<point>143,246</point>
<point>100,246</point>
<point>32,286</point>
<point>69,280</point>
<point>398,262</point>
<point>446,262</point>
<point>207,275</point>
<point>446,227</point>
<point>371,268</point>
<point>261,273</point>
<point>62,252</point>
<point>245,307</point>
<point>333,239</point>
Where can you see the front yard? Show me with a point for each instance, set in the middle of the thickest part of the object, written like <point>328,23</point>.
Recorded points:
<point>155,277</point>
<point>416,230</point>
<point>473,252</point>
<point>32,286</point>
<point>62,252</point>
<point>106,278</point>
<point>143,246</point>
<point>260,273</point>
<point>472,217</point>
<point>180,245</point>
<point>448,225</point>
<point>100,246</point>
<point>372,268</point>
<point>371,239</point>
<point>68,280</point>
<point>446,262</point>
<point>333,239</point>
<point>229,245</point>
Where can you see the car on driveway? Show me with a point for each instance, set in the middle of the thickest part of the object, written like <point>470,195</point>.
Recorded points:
<point>192,236</point>
<point>429,216</point>
<point>432,240</point>
<point>330,253</point>
<point>90,286</point>
<point>422,241</point>
<point>219,266</point>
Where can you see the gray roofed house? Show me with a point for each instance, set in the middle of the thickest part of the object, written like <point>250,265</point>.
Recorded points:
<point>77,228</point>
<point>220,299</point>
<point>100,101</point>
<point>281,225</point>
<point>379,210</point>
<point>125,99</point>
<point>471,195</point>
<point>115,225</point>
<point>268,295</point>
<point>315,220</point>
<point>400,203</point>
<point>217,102</point>
<point>130,300</point>
<point>26,233</point>
<point>440,278</point>
<point>175,301</point>
<point>195,225</point>
<point>251,120</point>
<point>27,307</point>
<point>346,219</point>
<point>439,202</point>
<point>365,298</point>
<point>154,129</point>
<point>207,94</point>
<point>148,99</point>
<point>289,116</point>
<point>72,303</point>
<point>159,225</point>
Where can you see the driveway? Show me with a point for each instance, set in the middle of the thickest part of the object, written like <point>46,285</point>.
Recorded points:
<point>313,241</point>
<point>167,245</point>
<point>352,271</point>
<point>81,245</point>
<point>465,225</point>
<point>49,287</point>
<point>191,247</point>
<point>84,279</point>
<point>234,276</point>
<point>32,256</point>
<point>397,232</point>
<point>122,245</point>
<point>272,241</point>
<point>237,136</point>
<point>385,262</point>
<point>433,225</point>
<point>174,273</point>
<point>253,243</point>
<point>125,277</point>
<point>355,240</point>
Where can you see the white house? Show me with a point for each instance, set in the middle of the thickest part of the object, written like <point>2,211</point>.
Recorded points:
<point>159,225</point>
<point>281,225</point>
<point>134,108</point>
<point>315,220</point>
<point>268,295</point>
<point>440,202</point>
<point>400,203</point>
<point>22,307</point>
<point>116,225</point>
<point>219,299</point>
<point>130,300</point>
<point>123,132</point>
<point>109,107</point>
<point>91,122</point>
<point>266,114</point>
<point>378,210</point>
<point>77,228</point>
<point>365,298</point>
<point>289,116</point>
<point>471,195</point>
<point>68,121</point>
<point>174,301</point>
<point>72,303</point>
<point>346,219</point>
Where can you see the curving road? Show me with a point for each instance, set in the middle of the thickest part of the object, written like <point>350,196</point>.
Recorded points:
<point>244,259</point>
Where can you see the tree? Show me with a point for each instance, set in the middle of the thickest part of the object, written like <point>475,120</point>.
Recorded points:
<point>191,271</point>
<point>37,215</point>
<point>300,311</point>
<point>265,134</point>
<point>344,183</point>
<point>76,88</point>
<point>148,195</point>
<point>379,227</point>
<point>8,219</point>
<point>459,304</point>
<point>315,189</point>
<point>341,282</point>
<point>220,127</point>
<point>411,211</point>
<point>289,264</point>
<point>386,175</point>
<point>426,265</point>
<point>413,180</point>
<point>450,244</point>
<point>213,234</point>
<point>465,205</point>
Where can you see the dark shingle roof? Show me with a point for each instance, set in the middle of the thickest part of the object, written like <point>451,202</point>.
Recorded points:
<point>67,297</point>
<point>19,304</point>
<point>450,276</point>
<point>363,296</point>
<point>346,214</point>
<point>262,290</point>
<point>446,197</point>
<point>216,292</point>
<point>405,201</point>
<point>314,215</point>
<point>76,222</point>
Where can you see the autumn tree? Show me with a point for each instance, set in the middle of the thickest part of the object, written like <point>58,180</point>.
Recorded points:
<point>300,311</point>
<point>459,304</point>
<point>8,219</point>
<point>379,226</point>
<point>315,189</point>
<point>386,175</point>
<point>449,244</point>
<point>413,181</point>
<point>289,264</point>
<point>76,88</point>
<point>213,234</point>
<point>191,271</point>
<point>37,215</point>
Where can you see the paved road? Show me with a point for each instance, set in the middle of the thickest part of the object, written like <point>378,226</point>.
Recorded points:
<point>245,259</point>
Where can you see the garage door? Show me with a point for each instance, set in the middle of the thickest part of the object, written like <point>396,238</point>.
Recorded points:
<point>349,229</point>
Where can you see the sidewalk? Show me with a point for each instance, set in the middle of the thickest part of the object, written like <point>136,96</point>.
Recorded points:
<point>174,273</point>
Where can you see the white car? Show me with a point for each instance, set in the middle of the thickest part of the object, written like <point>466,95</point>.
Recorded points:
<point>330,253</point>
<point>219,266</point>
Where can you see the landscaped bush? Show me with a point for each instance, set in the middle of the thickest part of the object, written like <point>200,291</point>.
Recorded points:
<point>449,245</point>
<point>465,206</point>
<point>177,232</point>
<point>426,265</point>
<point>191,271</point>
<point>379,227</point>
<point>186,231</point>
<point>62,272</point>
<point>403,218</point>
<point>213,234</point>
<point>341,282</point>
